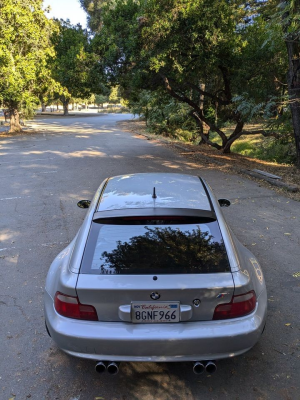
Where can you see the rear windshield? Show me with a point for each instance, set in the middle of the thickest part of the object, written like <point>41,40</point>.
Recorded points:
<point>154,248</point>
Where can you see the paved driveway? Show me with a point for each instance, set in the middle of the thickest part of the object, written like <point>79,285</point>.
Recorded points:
<point>41,178</point>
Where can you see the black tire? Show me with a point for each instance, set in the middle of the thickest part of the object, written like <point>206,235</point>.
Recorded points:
<point>47,328</point>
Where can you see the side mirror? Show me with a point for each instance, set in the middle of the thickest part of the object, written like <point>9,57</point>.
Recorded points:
<point>84,203</point>
<point>224,202</point>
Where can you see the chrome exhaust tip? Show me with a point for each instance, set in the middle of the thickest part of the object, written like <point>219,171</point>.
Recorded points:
<point>198,367</point>
<point>210,367</point>
<point>100,367</point>
<point>113,368</point>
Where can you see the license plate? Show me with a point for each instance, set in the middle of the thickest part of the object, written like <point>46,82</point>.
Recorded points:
<point>147,312</point>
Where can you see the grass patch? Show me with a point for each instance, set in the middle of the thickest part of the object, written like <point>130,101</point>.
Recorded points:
<point>260,147</point>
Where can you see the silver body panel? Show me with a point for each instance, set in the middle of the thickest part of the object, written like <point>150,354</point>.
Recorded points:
<point>108,292</point>
<point>136,190</point>
<point>184,341</point>
<point>111,338</point>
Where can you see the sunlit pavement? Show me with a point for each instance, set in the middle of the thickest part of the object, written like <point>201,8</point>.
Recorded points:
<point>42,176</point>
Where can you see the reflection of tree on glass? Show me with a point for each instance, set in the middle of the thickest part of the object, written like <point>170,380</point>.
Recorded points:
<point>167,250</point>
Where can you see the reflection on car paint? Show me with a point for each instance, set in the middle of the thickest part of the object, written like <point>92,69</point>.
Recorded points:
<point>64,253</point>
<point>257,270</point>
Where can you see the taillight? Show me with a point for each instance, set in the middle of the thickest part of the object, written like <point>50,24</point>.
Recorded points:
<point>69,306</point>
<point>239,306</point>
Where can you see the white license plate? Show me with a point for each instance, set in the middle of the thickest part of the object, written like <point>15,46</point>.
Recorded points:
<point>147,312</point>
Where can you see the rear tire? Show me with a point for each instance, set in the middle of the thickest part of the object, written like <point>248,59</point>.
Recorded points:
<point>47,328</point>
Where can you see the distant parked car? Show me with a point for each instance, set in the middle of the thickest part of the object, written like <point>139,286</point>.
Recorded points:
<point>155,274</point>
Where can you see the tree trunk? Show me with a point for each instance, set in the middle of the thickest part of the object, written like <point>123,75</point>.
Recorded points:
<point>14,116</point>
<point>66,106</point>
<point>203,126</point>
<point>236,134</point>
<point>43,107</point>
<point>293,80</point>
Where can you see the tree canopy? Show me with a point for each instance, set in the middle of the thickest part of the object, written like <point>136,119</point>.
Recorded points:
<point>198,64</point>
<point>24,49</point>
<point>74,64</point>
<point>225,60</point>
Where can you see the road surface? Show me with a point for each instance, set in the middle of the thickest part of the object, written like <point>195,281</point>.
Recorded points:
<point>42,176</point>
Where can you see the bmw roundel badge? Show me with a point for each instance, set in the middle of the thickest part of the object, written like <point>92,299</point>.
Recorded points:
<point>154,296</point>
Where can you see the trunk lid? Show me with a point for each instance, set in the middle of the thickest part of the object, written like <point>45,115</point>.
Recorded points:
<point>107,293</point>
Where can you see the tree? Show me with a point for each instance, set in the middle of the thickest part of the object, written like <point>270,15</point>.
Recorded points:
<point>115,96</point>
<point>204,53</point>
<point>94,8</point>
<point>100,99</point>
<point>74,64</point>
<point>291,28</point>
<point>24,48</point>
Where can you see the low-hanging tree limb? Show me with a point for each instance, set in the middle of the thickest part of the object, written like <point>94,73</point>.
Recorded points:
<point>214,97</point>
<point>262,132</point>
<point>196,108</point>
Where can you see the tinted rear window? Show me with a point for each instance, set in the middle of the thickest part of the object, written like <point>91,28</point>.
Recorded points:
<point>155,248</point>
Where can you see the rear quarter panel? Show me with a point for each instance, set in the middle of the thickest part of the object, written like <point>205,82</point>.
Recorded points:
<point>245,268</point>
<point>250,270</point>
<point>59,277</point>
<point>63,273</point>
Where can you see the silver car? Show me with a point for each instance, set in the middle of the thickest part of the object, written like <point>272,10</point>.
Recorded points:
<point>155,274</point>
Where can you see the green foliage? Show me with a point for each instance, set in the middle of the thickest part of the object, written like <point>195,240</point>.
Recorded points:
<point>250,110</point>
<point>180,45</point>
<point>24,48</point>
<point>100,99</point>
<point>75,66</point>
<point>72,62</point>
<point>268,149</point>
<point>115,95</point>
<point>94,10</point>
<point>164,115</point>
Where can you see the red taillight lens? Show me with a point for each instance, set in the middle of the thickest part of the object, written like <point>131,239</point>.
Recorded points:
<point>69,306</point>
<point>239,306</point>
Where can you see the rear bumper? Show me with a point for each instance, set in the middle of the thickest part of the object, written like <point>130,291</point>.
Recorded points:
<point>185,341</point>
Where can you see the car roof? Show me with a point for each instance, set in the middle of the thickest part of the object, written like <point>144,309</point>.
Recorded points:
<point>135,191</point>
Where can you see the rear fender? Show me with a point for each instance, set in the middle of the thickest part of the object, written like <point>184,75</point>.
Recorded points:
<point>250,275</point>
<point>226,234</point>
<point>59,277</point>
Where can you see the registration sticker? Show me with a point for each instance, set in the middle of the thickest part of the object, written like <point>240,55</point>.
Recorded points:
<point>158,312</point>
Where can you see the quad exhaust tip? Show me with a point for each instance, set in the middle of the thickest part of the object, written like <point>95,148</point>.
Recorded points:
<point>111,367</point>
<point>200,366</point>
<point>100,367</point>
<point>210,367</point>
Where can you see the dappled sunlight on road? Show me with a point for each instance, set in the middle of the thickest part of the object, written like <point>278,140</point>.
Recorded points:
<point>70,126</point>
<point>169,164</point>
<point>7,236</point>
<point>42,177</point>
<point>151,381</point>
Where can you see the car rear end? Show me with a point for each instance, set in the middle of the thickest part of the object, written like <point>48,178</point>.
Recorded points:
<point>156,284</point>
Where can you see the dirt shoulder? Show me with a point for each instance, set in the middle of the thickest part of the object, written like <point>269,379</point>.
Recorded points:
<point>231,163</point>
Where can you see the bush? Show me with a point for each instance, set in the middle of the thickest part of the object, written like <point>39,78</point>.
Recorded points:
<point>267,149</point>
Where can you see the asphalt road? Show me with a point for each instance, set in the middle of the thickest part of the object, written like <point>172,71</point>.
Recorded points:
<point>42,176</point>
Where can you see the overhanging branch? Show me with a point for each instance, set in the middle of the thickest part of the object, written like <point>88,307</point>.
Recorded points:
<point>196,108</point>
